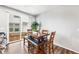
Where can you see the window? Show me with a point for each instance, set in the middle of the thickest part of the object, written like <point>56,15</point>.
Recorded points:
<point>11,29</point>
<point>17,30</point>
<point>14,27</point>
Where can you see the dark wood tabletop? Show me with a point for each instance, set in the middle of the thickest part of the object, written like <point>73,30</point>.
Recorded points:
<point>36,40</point>
<point>39,36</point>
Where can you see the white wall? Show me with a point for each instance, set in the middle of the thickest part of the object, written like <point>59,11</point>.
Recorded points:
<point>65,21</point>
<point>4,17</point>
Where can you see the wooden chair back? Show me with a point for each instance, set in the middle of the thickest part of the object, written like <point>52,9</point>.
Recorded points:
<point>29,31</point>
<point>44,31</point>
<point>52,35</point>
<point>50,43</point>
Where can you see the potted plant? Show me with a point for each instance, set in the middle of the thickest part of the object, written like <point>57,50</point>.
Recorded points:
<point>35,26</point>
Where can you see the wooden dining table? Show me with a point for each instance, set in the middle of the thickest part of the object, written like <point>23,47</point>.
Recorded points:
<point>38,41</point>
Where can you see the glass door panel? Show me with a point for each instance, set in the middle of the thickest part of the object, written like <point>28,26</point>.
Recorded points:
<point>14,28</point>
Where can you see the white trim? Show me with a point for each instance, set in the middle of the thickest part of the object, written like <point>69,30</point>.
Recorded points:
<point>14,41</point>
<point>66,48</point>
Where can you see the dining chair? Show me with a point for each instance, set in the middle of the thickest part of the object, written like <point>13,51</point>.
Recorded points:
<point>29,31</point>
<point>44,31</point>
<point>50,44</point>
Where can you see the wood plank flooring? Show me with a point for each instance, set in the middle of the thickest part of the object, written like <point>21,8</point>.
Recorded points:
<point>19,48</point>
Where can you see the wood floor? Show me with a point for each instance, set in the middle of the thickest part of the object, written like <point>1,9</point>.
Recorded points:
<point>19,48</point>
<point>16,48</point>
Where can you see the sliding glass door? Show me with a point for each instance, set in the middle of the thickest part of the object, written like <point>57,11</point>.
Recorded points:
<point>14,28</point>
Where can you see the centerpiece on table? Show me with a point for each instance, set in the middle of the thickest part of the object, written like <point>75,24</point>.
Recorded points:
<point>35,27</point>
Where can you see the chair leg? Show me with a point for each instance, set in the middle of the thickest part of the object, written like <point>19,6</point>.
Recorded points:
<point>49,49</point>
<point>24,41</point>
<point>28,47</point>
<point>53,49</point>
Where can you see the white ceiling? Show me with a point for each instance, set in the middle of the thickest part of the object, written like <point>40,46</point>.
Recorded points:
<point>33,9</point>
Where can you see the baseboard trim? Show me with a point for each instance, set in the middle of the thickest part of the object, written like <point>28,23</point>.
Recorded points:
<point>67,48</point>
<point>14,41</point>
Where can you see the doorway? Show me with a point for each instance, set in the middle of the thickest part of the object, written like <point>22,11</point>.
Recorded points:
<point>14,28</point>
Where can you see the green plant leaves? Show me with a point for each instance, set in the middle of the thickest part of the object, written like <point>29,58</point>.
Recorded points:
<point>35,26</point>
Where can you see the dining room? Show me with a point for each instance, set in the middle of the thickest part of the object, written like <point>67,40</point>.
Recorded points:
<point>39,29</point>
